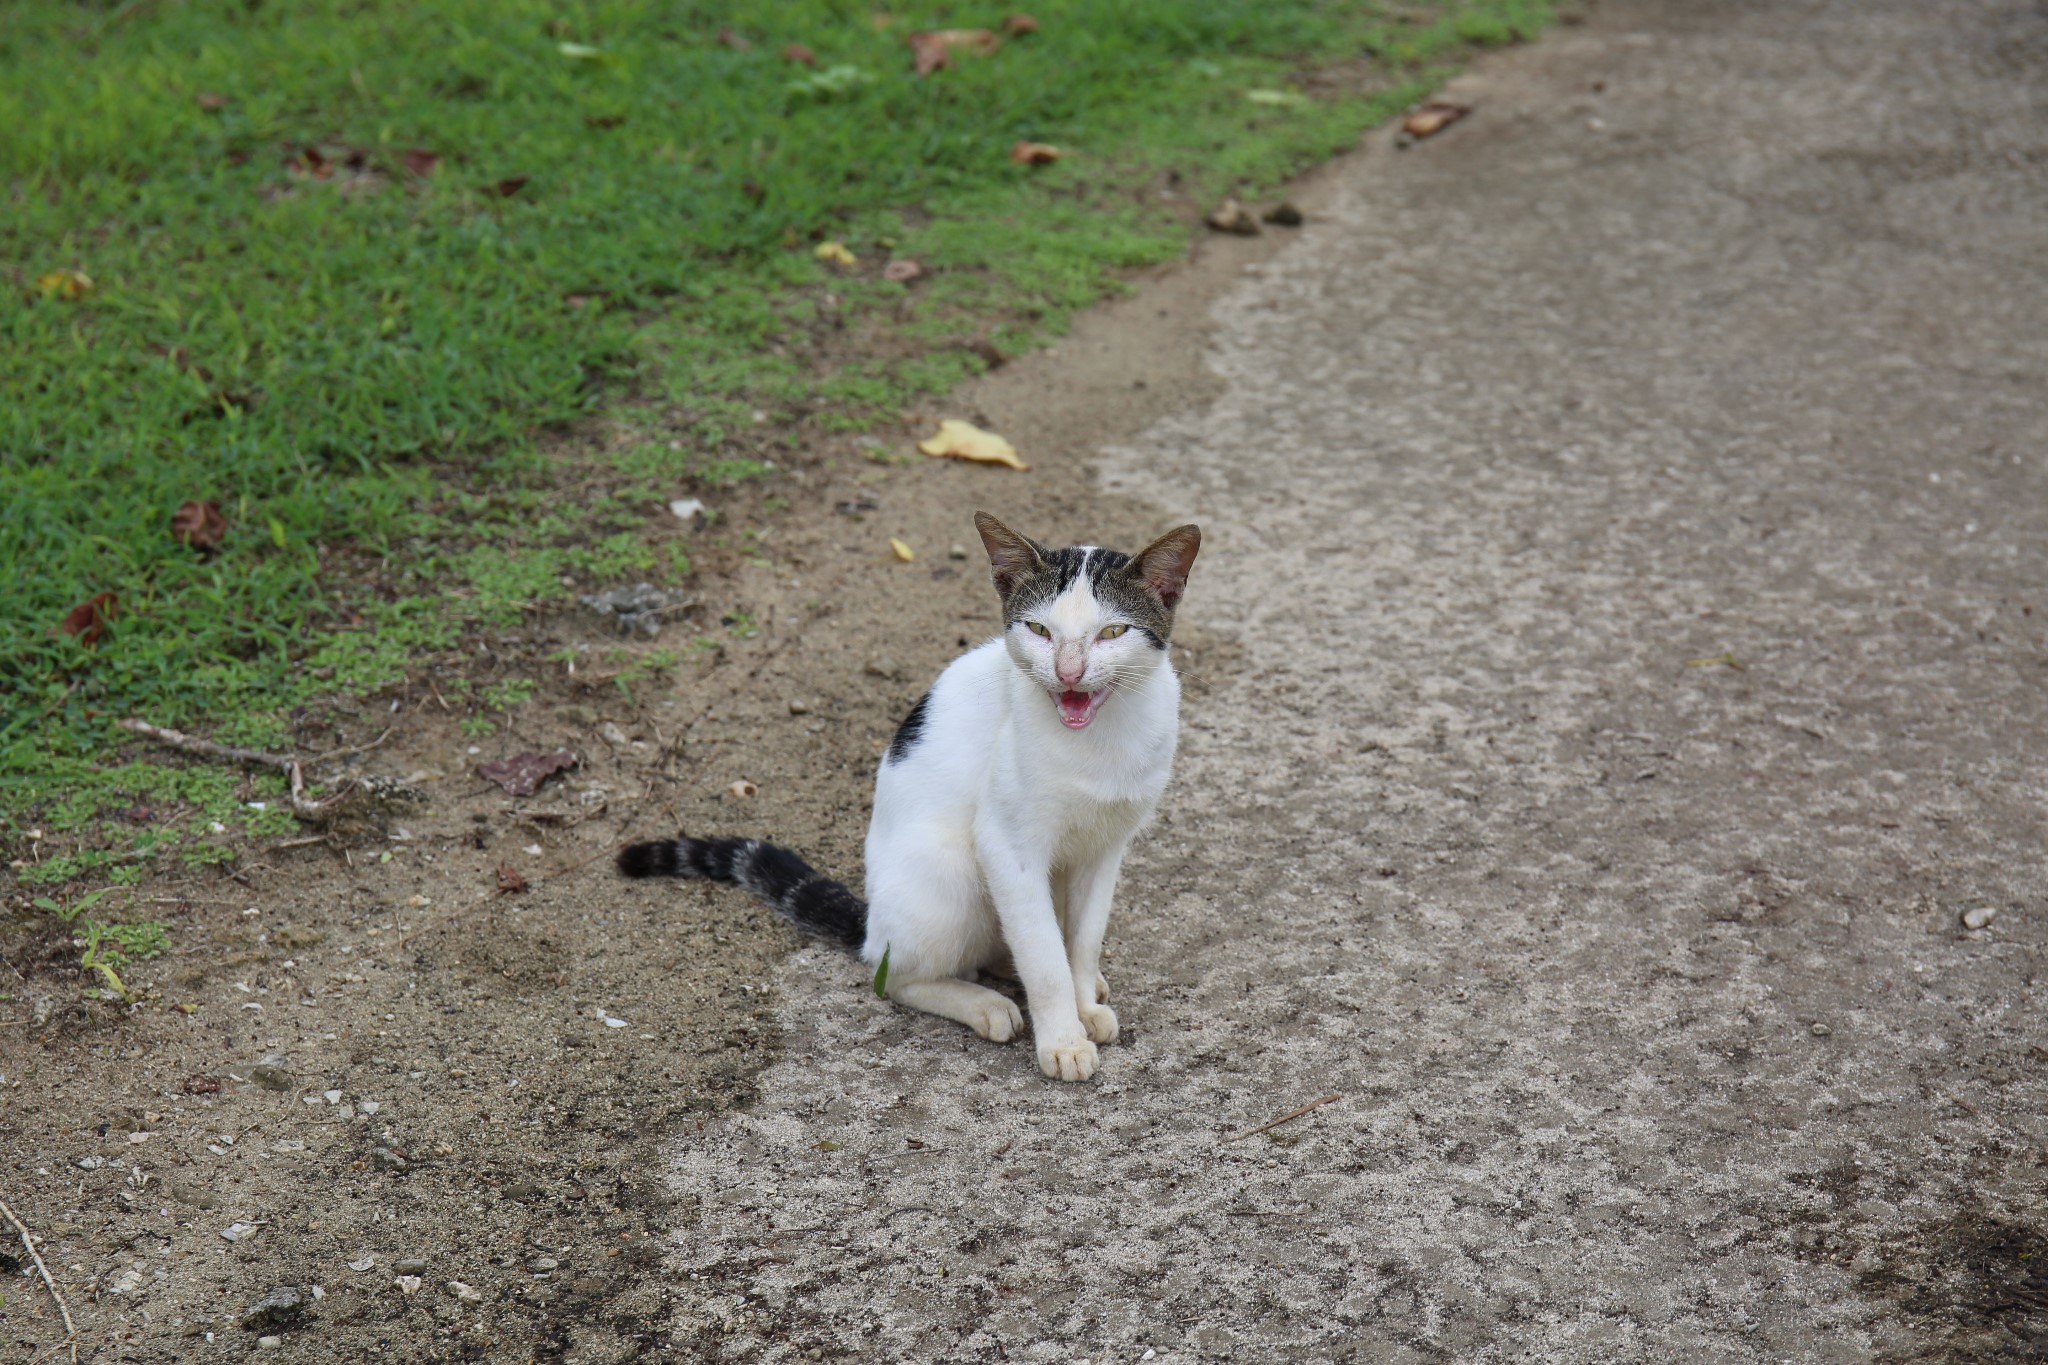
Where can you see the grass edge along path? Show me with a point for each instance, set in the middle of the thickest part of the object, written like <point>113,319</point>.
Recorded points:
<point>325,566</point>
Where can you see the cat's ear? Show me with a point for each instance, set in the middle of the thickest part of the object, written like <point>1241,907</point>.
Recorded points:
<point>1011,558</point>
<point>1161,568</point>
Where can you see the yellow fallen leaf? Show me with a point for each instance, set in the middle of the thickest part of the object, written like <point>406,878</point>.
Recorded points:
<point>837,254</point>
<point>966,441</point>
<point>64,284</point>
<point>903,550</point>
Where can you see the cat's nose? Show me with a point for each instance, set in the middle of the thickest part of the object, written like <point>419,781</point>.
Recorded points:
<point>1071,668</point>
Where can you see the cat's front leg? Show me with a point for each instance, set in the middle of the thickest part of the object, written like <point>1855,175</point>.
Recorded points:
<point>1020,883</point>
<point>1091,887</point>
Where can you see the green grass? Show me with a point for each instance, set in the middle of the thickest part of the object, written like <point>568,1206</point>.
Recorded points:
<point>384,371</point>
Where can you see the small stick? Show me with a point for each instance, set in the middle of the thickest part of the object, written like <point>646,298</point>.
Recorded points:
<point>353,749</point>
<point>177,739</point>
<point>1287,1117</point>
<point>70,1327</point>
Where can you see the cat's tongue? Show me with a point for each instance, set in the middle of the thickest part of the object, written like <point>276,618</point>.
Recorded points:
<point>1076,709</point>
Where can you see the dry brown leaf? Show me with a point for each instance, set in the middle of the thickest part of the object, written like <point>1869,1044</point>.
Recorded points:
<point>88,620</point>
<point>1019,24</point>
<point>1434,117</point>
<point>934,48</point>
<point>903,271</point>
<point>1035,153</point>
<point>211,102</point>
<point>420,161</point>
<point>522,774</point>
<point>727,38</point>
<point>1233,217</point>
<point>510,883</point>
<point>965,441</point>
<point>507,187</point>
<point>198,525</point>
<point>64,284</point>
<point>801,55</point>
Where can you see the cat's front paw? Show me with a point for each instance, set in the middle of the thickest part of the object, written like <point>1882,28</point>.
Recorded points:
<point>1074,1061</point>
<point>1100,1022</point>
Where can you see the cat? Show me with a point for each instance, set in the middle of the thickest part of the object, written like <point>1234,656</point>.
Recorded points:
<point>1005,802</point>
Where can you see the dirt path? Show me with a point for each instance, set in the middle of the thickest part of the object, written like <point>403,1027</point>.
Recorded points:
<point>1716,334</point>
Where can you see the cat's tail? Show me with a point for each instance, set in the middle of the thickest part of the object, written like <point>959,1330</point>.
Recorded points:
<point>815,904</point>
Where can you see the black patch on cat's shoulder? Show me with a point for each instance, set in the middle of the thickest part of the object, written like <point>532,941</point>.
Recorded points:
<point>910,731</point>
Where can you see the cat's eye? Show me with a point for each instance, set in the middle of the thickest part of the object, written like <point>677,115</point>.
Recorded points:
<point>1111,632</point>
<point>1037,629</point>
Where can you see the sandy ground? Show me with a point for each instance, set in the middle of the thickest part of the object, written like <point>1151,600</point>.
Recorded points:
<point>1716,333</point>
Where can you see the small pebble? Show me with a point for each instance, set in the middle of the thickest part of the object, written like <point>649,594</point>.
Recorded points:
<point>235,1232</point>
<point>1981,916</point>
<point>957,552</point>
<point>270,1343</point>
<point>466,1293</point>
<point>797,708</point>
<point>408,1284</point>
<point>1821,1030</point>
<point>541,1265</point>
<point>410,1265</point>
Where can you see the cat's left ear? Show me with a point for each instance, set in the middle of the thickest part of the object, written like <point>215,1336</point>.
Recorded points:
<point>1162,567</point>
<point>1011,558</point>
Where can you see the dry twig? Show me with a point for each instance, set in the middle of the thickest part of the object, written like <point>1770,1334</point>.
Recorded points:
<point>318,811</point>
<point>70,1327</point>
<point>1287,1117</point>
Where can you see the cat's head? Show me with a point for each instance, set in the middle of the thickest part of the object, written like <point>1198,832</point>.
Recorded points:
<point>1084,620</point>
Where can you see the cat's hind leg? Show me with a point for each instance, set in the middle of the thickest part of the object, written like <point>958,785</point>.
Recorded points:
<point>990,1013</point>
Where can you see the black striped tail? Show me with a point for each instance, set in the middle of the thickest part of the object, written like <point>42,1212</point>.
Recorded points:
<point>815,904</point>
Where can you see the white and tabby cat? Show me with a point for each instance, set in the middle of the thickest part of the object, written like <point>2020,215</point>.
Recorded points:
<point>1005,803</point>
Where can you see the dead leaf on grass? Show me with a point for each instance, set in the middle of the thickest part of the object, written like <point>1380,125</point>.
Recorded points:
<point>88,620</point>
<point>801,55</point>
<point>211,102</point>
<point>509,186</point>
<point>1035,153</point>
<point>934,48</point>
<point>728,38</point>
<point>198,525</point>
<point>522,774</point>
<point>965,441</point>
<point>835,253</point>
<point>1434,117</point>
<point>510,883</point>
<point>64,284</point>
<point>903,271</point>
<point>1233,217</point>
<point>420,161</point>
<point>1019,24</point>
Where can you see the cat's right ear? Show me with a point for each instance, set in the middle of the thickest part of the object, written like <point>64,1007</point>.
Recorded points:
<point>1011,558</point>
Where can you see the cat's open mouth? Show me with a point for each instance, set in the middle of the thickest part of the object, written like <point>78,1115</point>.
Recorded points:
<point>1078,708</point>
